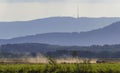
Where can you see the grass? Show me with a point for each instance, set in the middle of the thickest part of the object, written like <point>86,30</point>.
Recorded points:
<point>60,68</point>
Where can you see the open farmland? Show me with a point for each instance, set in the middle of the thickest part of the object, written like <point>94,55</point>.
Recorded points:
<point>44,60</point>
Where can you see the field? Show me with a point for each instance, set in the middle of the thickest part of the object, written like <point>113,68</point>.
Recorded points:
<point>60,68</point>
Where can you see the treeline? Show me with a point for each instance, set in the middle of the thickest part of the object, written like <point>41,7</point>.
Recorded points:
<point>32,49</point>
<point>84,54</point>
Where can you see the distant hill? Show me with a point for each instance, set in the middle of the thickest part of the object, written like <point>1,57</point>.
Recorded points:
<point>52,24</point>
<point>107,35</point>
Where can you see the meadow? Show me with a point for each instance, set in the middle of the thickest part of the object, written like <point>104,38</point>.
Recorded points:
<point>60,68</point>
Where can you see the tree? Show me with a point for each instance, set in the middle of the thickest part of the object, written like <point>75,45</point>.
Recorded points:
<point>75,53</point>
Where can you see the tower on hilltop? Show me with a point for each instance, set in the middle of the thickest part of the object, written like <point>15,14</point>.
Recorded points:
<point>77,10</point>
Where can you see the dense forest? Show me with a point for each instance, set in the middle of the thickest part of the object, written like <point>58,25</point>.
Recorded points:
<point>32,49</point>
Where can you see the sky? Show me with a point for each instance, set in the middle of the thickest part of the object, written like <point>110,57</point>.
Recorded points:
<point>22,10</point>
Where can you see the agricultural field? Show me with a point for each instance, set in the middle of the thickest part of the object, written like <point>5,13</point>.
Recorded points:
<point>60,68</point>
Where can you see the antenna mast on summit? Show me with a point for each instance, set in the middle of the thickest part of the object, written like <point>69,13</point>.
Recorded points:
<point>77,8</point>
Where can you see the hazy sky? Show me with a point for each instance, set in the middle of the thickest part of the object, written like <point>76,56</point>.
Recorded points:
<point>48,1</point>
<point>18,10</point>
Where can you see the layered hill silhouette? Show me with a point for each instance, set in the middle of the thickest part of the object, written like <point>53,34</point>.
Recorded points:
<point>107,35</point>
<point>52,24</point>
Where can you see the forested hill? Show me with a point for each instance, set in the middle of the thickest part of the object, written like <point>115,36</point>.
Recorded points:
<point>13,50</point>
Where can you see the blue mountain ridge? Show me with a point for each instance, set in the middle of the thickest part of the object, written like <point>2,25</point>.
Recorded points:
<point>53,24</point>
<point>107,35</point>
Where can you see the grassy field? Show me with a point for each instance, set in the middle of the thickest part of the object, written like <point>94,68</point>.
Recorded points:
<point>60,68</point>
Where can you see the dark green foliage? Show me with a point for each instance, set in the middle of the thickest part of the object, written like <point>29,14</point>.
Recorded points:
<point>75,53</point>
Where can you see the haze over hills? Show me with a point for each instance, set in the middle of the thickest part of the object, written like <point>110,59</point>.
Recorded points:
<point>52,24</point>
<point>107,35</point>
